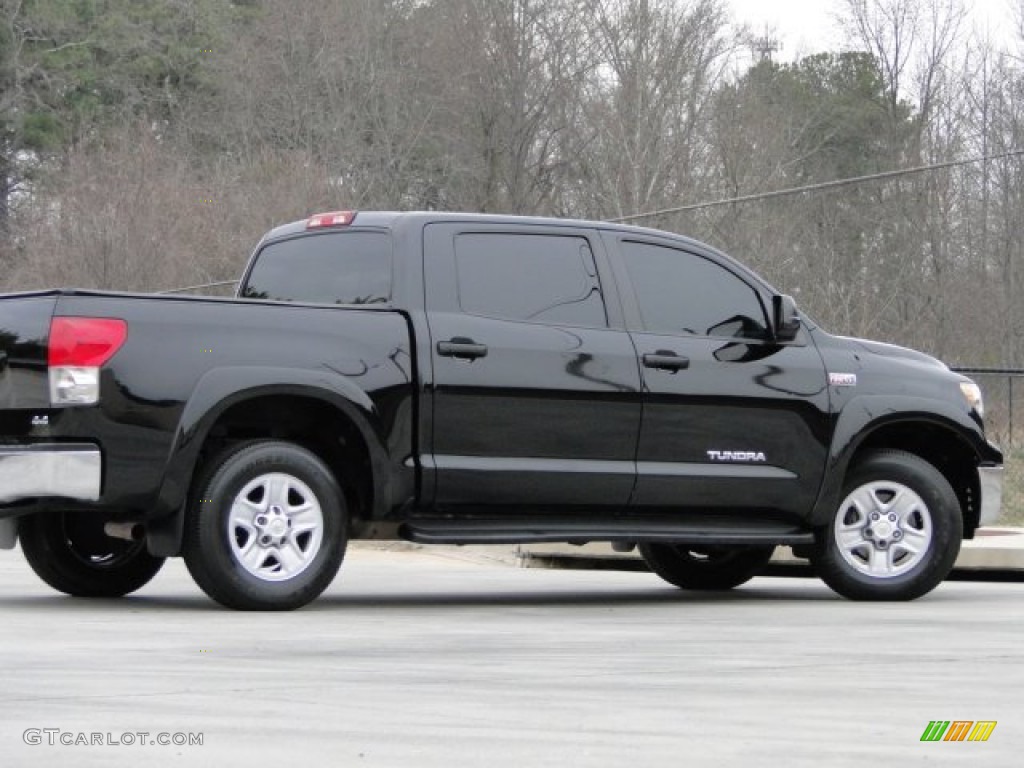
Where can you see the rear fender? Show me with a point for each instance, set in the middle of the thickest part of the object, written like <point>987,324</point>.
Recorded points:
<point>219,390</point>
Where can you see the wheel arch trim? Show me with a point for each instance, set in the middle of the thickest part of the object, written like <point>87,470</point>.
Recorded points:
<point>864,416</point>
<point>223,388</point>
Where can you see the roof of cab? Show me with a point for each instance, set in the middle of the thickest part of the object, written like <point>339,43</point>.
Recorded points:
<point>388,219</point>
<point>391,219</point>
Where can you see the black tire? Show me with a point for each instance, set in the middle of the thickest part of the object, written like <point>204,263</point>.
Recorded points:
<point>705,567</point>
<point>71,553</point>
<point>264,558</point>
<point>918,541</point>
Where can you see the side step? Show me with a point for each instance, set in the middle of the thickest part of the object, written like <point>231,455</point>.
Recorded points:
<point>516,530</point>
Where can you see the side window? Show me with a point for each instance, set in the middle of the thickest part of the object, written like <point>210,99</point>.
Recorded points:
<point>534,278</point>
<point>335,268</point>
<point>681,293</point>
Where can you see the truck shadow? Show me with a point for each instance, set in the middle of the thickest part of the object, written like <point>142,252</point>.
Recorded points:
<point>339,599</point>
<point>617,598</point>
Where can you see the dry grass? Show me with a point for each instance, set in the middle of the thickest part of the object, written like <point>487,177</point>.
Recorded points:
<point>1013,487</point>
<point>129,213</point>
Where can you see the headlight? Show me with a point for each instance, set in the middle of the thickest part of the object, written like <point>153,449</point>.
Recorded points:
<point>972,393</point>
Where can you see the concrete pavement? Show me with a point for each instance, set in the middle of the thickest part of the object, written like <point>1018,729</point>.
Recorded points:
<point>433,658</point>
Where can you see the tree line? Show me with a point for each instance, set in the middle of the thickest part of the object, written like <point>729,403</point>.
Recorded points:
<point>146,144</point>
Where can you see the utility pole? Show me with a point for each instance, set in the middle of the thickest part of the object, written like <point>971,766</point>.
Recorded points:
<point>764,46</point>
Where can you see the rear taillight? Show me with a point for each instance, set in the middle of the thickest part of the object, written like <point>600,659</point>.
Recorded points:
<point>78,348</point>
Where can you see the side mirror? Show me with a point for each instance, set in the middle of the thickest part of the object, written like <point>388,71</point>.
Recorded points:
<point>785,318</point>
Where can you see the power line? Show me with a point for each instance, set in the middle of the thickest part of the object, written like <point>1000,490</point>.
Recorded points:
<point>816,187</point>
<point>749,198</point>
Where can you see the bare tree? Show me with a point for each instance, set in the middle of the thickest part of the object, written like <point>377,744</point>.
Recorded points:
<point>647,103</point>
<point>186,129</point>
<point>514,71</point>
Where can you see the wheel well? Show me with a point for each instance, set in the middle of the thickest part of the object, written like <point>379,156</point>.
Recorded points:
<point>315,425</point>
<point>941,448</point>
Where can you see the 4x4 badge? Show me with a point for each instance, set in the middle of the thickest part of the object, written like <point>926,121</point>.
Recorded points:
<point>40,421</point>
<point>842,379</point>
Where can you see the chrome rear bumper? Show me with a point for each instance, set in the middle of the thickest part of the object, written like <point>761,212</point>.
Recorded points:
<point>55,470</point>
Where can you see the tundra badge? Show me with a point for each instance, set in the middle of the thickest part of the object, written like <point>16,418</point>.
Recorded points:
<point>736,456</point>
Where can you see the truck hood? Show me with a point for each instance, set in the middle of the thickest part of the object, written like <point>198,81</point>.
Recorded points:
<point>893,351</point>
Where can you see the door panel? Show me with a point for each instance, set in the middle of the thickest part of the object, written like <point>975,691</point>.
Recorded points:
<point>527,413</point>
<point>731,419</point>
<point>742,427</point>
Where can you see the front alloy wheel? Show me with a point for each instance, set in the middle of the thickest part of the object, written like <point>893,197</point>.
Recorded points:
<point>883,529</point>
<point>896,535</point>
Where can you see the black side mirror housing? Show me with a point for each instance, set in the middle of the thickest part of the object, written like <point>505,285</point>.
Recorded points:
<point>785,318</point>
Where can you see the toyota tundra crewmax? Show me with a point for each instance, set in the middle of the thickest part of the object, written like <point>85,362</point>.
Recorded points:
<point>476,379</point>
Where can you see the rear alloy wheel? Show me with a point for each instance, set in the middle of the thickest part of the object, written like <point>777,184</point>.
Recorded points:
<point>266,530</point>
<point>896,535</point>
<point>705,567</point>
<point>71,553</point>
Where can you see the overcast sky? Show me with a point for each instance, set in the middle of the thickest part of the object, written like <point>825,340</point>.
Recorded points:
<point>808,26</point>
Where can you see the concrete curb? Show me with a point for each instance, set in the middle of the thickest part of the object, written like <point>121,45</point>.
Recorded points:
<point>993,552</point>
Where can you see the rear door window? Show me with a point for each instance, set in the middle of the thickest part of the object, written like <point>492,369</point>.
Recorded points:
<point>534,278</point>
<point>336,268</point>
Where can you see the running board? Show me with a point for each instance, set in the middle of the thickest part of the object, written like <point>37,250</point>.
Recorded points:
<point>535,531</point>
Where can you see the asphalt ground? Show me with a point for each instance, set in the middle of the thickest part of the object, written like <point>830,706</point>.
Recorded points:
<point>448,658</point>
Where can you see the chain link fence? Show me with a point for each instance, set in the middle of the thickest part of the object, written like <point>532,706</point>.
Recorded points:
<point>1003,389</point>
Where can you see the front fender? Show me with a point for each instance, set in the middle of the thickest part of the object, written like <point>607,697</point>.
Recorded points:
<point>216,392</point>
<point>866,414</point>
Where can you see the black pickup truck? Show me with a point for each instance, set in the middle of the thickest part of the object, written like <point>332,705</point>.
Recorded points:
<point>464,378</point>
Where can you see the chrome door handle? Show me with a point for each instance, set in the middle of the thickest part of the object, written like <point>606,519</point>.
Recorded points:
<point>666,360</point>
<point>461,348</point>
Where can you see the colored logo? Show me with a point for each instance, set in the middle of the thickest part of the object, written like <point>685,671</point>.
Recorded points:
<point>958,730</point>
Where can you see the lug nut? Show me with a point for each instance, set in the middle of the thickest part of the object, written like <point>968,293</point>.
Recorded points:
<point>874,515</point>
<point>868,532</point>
<point>897,535</point>
<point>892,518</point>
<point>265,540</point>
<point>261,520</point>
